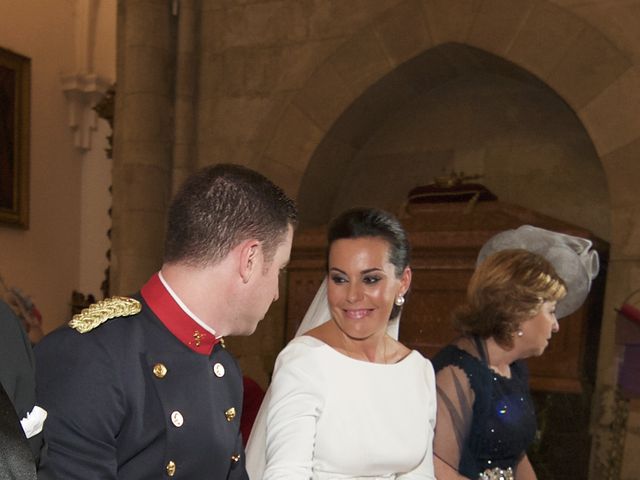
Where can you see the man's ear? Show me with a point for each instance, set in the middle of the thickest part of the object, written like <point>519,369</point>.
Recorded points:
<point>250,259</point>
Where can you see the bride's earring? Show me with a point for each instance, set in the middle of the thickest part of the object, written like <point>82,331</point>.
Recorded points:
<point>399,300</point>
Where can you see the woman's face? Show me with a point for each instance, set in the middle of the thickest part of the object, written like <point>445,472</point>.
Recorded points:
<point>363,286</point>
<point>537,331</point>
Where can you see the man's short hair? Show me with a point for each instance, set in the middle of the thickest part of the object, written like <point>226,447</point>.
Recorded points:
<point>219,207</point>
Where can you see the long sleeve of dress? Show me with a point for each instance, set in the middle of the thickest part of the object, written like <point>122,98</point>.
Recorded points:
<point>425,469</point>
<point>455,412</point>
<point>295,404</point>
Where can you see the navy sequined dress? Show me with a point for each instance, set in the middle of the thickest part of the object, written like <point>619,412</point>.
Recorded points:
<point>497,425</point>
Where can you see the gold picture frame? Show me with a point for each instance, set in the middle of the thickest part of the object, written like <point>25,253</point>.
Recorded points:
<point>15,92</point>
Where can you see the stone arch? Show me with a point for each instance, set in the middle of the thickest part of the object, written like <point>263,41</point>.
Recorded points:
<point>374,152</point>
<point>572,57</point>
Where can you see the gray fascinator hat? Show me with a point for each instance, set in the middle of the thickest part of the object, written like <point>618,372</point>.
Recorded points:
<point>572,257</point>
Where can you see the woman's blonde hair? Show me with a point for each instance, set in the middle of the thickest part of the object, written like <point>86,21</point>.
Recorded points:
<point>505,289</point>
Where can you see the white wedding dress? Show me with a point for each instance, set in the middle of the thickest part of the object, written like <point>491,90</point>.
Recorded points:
<point>329,416</point>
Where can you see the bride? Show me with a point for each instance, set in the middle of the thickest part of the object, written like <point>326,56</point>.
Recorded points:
<point>347,400</point>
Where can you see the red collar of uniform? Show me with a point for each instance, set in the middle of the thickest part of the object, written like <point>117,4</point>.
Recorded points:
<point>183,327</point>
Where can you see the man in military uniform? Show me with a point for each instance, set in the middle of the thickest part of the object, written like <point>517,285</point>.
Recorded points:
<point>142,387</point>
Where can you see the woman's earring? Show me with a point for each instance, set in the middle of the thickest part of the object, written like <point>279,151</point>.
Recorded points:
<point>399,300</point>
<point>519,333</point>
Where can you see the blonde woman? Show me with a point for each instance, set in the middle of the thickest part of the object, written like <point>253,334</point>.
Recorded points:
<point>526,279</point>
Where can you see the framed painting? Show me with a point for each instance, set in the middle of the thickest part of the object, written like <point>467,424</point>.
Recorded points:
<point>15,84</point>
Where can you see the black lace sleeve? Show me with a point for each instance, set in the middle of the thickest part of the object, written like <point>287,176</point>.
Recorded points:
<point>455,413</point>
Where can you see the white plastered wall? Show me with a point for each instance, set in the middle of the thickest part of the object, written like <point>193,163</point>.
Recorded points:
<point>64,247</point>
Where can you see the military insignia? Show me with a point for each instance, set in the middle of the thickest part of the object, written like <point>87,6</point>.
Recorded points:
<point>104,310</point>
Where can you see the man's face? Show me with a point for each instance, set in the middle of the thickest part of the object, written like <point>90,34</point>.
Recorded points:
<point>265,286</point>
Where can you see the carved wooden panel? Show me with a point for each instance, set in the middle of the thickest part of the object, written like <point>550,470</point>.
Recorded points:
<point>303,285</point>
<point>426,318</point>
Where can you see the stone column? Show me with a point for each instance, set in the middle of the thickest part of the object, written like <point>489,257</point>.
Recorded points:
<point>184,158</point>
<point>143,139</point>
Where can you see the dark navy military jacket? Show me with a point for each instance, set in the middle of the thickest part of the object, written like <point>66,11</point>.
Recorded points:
<point>128,400</point>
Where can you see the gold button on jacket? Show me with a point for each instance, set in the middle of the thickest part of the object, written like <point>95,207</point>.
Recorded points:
<point>177,419</point>
<point>159,370</point>
<point>218,370</point>
<point>230,414</point>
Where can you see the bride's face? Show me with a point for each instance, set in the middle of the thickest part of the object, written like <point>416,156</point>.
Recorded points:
<point>363,285</point>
